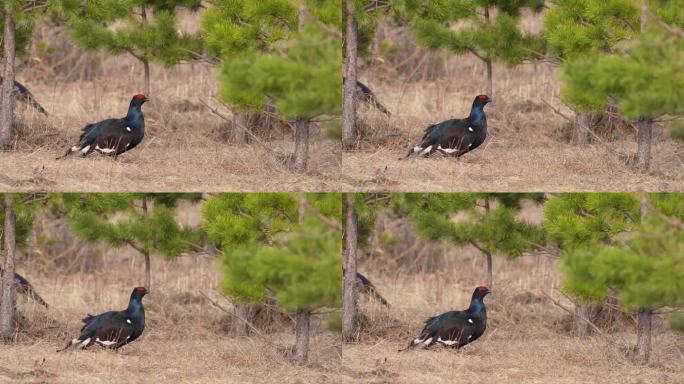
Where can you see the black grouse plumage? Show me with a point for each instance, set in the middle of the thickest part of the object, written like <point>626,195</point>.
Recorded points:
<point>113,136</point>
<point>364,93</point>
<point>365,286</point>
<point>23,94</point>
<point>456,136</point>
<point>25,288</point>
<point>456,328</point>
<point>113,329</point>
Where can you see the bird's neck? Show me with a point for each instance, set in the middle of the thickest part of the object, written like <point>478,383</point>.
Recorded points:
<point>476,115</point>
<point>134,115</point>
<point>476,306</point>
<point>135,307</point>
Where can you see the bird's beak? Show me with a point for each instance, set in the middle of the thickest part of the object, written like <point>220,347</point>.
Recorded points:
<point>146,98</point>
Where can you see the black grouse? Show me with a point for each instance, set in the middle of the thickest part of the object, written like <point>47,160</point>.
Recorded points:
<point>367,287</point>
<point>25,288</point>
<point>23,94</point>
<point>364,93</point>
<point>456,328</point>
<point>113,329</point>
<point>113,136</point>
<point>456,136</point>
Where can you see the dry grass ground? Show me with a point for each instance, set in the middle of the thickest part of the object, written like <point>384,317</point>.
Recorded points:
<point>526,340</point>
<point>523,151</point>
<point>185,146</point>
<point>185,339</point>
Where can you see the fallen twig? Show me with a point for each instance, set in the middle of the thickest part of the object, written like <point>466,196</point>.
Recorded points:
<point>256,139</point>
<point>584,127</point>
<point>249,324</point>
<point>563,307</point>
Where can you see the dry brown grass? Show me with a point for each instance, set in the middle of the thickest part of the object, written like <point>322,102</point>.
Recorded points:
<point>184,146</point>
<point>526,340</point>
<point>523,152</point>
<point>185,338</point>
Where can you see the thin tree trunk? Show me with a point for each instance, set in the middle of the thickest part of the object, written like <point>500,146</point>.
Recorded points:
<point>644,130</point>
<point>488,61</point>
<point>583,121</point>
<point>7,108</point>
<point>488,255</point>
<point>584,313</point>
<point>148,279</point>
<point>146,254</point>
<point>146,62</point>
<point>644,125</point>
<point>349,298</point>
<point>243,313</point>
<point>302,326</point>
<point>349,85</point>
<point>8,305</point>
<point>301,12</point>
<point>244,120</point>
<point>301,153</point>
<point>643,346</point>
<point>490,278</point>
<point>644,316</point>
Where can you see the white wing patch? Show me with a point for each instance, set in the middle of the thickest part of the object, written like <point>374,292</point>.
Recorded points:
<point>470,321</point>
<point>128,129</point>
<point>447,150</point>
<point>447,342</point>
<point>104,150</point>
<point>129,321</point>
<point>105,343</point>
<point>471,129</point>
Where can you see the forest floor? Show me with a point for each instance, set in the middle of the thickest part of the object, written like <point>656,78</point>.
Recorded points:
<point>186,147</point>
<point>527,148</point>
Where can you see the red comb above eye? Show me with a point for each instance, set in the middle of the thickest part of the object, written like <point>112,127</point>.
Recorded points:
<point>482,97</point>
<point>139,97</point>
<point>482,288</point>
<point>140,289</point>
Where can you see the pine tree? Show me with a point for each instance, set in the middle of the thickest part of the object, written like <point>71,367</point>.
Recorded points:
<point>627,244</point>
<point>147,223</point>
<point>642,77</point>
<point>490,29</point>
<point>296,68</point>
<point>574,29</point>
<point>17,213</point>
<point>283,245</point>
<point>145,29</point>
<point>492,230</point>
<point>17,24</point>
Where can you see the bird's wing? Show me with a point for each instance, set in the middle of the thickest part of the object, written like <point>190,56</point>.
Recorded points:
<point>114,330</point>
<point>459,326</point>
<point>458,135</point>
<point>435,131</point>
<point>115,134</point>
<point>91,323</point>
